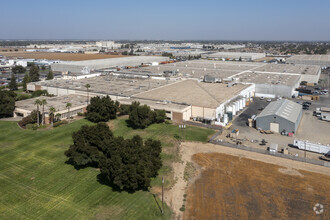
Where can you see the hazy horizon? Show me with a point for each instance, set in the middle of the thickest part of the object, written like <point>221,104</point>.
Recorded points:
<point>254,20</point>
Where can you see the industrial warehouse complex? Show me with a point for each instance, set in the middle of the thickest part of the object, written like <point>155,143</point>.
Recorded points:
<point>202,90</point>
<point>321,60</point>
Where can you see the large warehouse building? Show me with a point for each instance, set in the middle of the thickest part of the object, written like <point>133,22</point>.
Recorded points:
<point>234,56</point>
<point>279,116</point>
<point>320,60</point>
<point>94,65</point>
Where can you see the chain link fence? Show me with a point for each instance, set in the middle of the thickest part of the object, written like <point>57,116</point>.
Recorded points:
<point>257,150</point>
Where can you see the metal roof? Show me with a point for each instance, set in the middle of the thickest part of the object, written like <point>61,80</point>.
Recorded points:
<point>283,108</point>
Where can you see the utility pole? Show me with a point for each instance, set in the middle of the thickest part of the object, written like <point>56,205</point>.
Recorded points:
<point>163,195</point>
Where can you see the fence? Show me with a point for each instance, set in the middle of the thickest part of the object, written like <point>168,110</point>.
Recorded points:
<point>215,127</point>
<point>257,150</point>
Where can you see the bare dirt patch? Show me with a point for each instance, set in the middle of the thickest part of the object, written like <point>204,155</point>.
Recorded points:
<point>234,188</point>
<point>59,56</point>
<point>174,196</point>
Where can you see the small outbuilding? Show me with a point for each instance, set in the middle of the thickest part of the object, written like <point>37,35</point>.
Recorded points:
<point>280,116</point>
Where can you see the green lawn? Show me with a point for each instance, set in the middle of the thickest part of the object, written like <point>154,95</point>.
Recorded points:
<point>35,182</point>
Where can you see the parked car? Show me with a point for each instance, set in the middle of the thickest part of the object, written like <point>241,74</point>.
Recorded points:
<point>305,107</point>
<point>307,103</point>
<point>262,98</point>
<point>269,100</point>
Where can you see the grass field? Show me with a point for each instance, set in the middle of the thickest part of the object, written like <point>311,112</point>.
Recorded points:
<point>58,56</point>
<point>35,182</point>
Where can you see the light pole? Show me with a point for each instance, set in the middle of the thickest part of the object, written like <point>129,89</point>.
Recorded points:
<point>162,195</point>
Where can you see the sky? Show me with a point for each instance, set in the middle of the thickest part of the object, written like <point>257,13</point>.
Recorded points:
<point>283,20</point>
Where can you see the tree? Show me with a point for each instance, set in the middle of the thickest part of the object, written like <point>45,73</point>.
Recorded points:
<point>18,69</point>
<point>87,86</point>
<point>43,68</point>
<point>26,80</point>
<point>43,102</point>
<point>130,164</point>
<point>52,111</point>
<point>126,164</point>
<point>141,116</point>
<point>38,103</point>
<point>102,109</point>
<point>68,106</point>
<point>7,103</point>
<point>13,84</point>
<point>50,75</point>
<point>34,73</point>
<point>87,145</point>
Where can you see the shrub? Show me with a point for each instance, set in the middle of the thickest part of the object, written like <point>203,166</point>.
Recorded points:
<point>63,122</point>
<point>81,114</point>
<point>30,119</point>
<point>39,93</point>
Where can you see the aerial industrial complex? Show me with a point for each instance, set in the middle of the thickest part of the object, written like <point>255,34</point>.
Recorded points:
<point>202,90</point>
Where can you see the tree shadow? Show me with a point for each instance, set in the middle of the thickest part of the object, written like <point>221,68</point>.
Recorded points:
<point>101,178</point>
<point>79,167</point>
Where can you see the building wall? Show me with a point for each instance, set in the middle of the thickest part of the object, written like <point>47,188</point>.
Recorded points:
<point>264,123</point>
<point>277,90</point>
<point>198,111</point>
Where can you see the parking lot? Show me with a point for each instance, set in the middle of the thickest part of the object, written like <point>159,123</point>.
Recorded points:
<point>310,128</point>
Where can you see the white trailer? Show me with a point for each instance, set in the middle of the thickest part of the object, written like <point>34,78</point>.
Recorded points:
<point>313,147</point>
<point>325,116</point>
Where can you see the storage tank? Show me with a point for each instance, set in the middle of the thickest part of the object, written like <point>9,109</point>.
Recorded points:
<point>225,119</point>
<point>234,109</point>
<point>241,104</point>
<point>237,106</point>
<point>229,108</point>
<point>230,116</point>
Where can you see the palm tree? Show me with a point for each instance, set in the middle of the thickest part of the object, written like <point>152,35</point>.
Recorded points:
<point>43,102</point>
<point>57,116</point>
<point>87,87</point>
<point>68,106</point>
<point>52,110</point>
<point>38,103</point>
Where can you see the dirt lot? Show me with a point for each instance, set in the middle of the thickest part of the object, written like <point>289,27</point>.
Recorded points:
<point>58,56</point>
<point>232,187</point>
<point>175,196</point>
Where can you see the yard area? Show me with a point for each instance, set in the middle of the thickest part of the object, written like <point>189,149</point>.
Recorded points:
<point>36,183</point>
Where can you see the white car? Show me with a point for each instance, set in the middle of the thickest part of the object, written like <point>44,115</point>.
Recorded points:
<point>262,98</point>
<point>269,100</point>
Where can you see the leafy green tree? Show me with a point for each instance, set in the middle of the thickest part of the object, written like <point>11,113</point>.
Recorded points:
<point>34,73</point>
<point>87,145</point>
<point>13,84</point>
<point>132,165</point>
<point>26,80</point>
<point>160,116</point>
<point>126,164</point>
<point>7,103</point>
<point>141,116</point>
<point>102,109</point>
<point>50,75</point>
<point>18,69</point>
